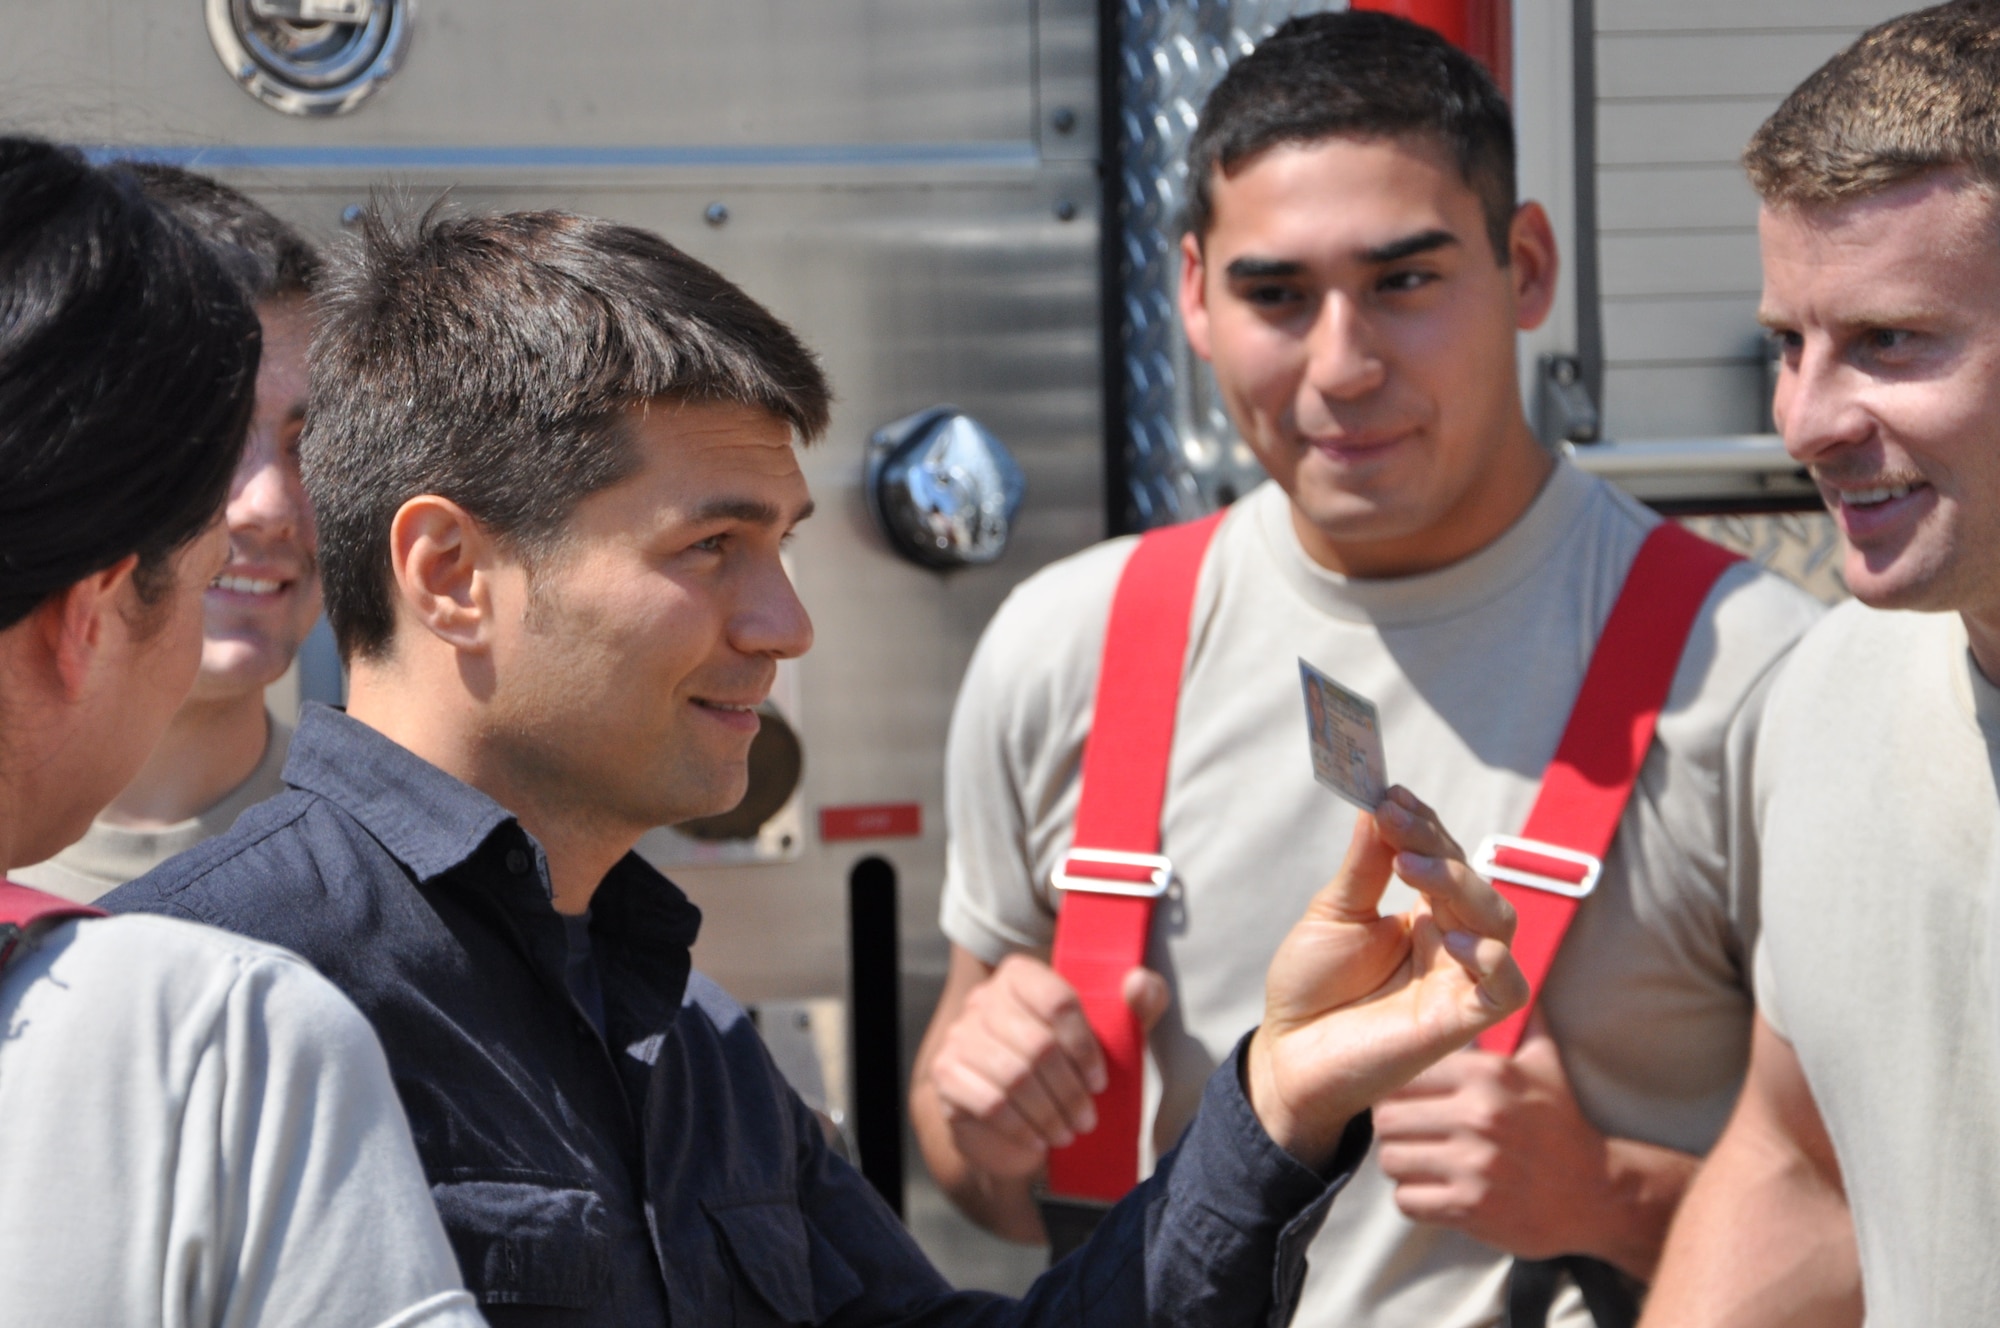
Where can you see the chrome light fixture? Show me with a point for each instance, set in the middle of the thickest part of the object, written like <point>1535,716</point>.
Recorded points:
<point>943,489</point>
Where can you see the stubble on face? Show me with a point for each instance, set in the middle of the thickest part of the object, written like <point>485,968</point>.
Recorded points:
<point>1362,334</point>
<point>1887,310</point>
<point>649,631</point>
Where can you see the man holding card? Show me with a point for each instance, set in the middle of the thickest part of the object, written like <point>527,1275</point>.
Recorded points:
<point>1356,268</point>
<point>554,462</point>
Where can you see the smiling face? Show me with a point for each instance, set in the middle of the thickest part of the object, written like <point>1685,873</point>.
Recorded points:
<point>1887,311</point>
<point>263,602</point>
<point>1362,333</point>
<point>629,658</point>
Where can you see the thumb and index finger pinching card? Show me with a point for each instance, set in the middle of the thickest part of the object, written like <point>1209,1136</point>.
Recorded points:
<point>1346,738</point>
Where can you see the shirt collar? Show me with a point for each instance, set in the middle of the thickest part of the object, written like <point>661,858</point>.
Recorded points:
<point>428,819</point>
<point>434,823</point>
<point>1473,582</point>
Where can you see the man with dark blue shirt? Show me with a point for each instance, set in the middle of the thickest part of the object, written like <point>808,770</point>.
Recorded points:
<point>553,463</point>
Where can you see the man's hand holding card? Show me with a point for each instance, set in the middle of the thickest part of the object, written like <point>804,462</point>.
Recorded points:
<point>1357,1003</point>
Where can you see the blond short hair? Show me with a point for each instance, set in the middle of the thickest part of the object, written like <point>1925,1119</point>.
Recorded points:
<point>1918,94</point>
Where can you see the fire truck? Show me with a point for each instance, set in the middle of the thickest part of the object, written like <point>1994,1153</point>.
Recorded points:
<point>969,207</point>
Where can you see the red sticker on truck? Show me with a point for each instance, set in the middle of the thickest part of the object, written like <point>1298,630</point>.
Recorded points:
<point>882,820</point>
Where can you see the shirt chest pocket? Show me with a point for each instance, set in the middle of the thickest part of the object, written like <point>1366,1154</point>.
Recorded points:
<point>770,1256</point>
<point>524,1242</point>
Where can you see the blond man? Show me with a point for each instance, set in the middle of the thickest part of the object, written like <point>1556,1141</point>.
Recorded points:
<point>1862,1165</point>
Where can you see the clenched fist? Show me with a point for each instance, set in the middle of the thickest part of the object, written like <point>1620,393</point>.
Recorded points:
<point>1499,1148</point>
<point>1015,1074</point>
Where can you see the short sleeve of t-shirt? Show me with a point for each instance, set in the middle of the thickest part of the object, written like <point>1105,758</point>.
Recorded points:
<point>1766,988</point>
<point>1016,735</point>
<point>330,1181</point>
<point>202,1130</point>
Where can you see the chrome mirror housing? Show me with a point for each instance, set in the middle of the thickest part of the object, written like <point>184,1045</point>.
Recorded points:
<point>943,489</point>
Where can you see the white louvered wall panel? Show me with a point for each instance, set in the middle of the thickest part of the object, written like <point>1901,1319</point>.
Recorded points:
<point>1681,85</point>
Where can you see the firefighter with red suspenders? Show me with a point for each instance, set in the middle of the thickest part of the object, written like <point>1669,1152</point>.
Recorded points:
<point>1571,682</point>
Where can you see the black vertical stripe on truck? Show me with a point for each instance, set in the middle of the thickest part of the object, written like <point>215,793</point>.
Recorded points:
<point>1119,517</point>
<point>875,967</point>
<point>1589,287</point>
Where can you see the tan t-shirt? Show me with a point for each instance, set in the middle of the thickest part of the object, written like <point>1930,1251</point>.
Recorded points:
<point>1474,669</point>
<point>109,855</point>
<point>1878,800</point>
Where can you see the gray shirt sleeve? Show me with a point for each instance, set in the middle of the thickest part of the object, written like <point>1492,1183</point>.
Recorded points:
<point>201,1131</point>
<point>1767,990</point>
<point>1015,748</point>
<point>321,1213</point>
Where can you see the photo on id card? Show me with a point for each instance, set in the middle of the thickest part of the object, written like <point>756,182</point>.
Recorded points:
<point>1346,740</point>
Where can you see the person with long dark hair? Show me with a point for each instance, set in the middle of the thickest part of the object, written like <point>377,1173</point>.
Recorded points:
<point>223,748</point>
<point>198,1129</point>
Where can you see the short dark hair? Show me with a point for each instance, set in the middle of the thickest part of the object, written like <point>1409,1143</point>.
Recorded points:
<point>128,363</point>
<point>490,360</point>
<point>1911,96</point>
<point>1357,74</point>
<point>272,260</point>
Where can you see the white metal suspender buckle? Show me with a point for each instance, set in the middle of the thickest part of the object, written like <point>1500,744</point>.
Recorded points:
<point>1486,863</point>
<point>1160,873</point>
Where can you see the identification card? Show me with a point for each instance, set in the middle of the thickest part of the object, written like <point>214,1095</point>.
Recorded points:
<point>1346,740</point>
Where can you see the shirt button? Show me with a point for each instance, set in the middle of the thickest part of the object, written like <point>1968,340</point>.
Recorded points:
<point>517,861</point>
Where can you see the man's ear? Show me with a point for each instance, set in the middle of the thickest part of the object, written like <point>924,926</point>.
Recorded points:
<point>443,560</point>
<point>1533,265</point>
<point>1194,295</point>
<point>74,625</point>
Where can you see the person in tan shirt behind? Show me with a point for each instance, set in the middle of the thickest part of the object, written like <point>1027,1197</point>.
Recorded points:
<point>223,749</point>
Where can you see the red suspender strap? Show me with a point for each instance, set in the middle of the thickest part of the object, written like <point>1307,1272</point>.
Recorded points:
<point>1111,878</point>
<point>21,908</point>
<point>1113,875</point>
<point>1555,861</point>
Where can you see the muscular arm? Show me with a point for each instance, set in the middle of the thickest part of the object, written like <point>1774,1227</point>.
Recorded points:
<point>1765,1238</point>
<point>1645,1186</point>
<point>1002,1203</point>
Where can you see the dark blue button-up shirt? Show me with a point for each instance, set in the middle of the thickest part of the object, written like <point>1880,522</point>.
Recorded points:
<point>661,1171</point>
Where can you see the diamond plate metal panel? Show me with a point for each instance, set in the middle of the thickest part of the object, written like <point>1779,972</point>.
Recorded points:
<point>1803,547</point>
<point>1182,456</point>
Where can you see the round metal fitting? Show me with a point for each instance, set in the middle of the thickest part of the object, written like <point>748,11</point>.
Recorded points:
<point>310,57</point>
<point>943,489</point>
